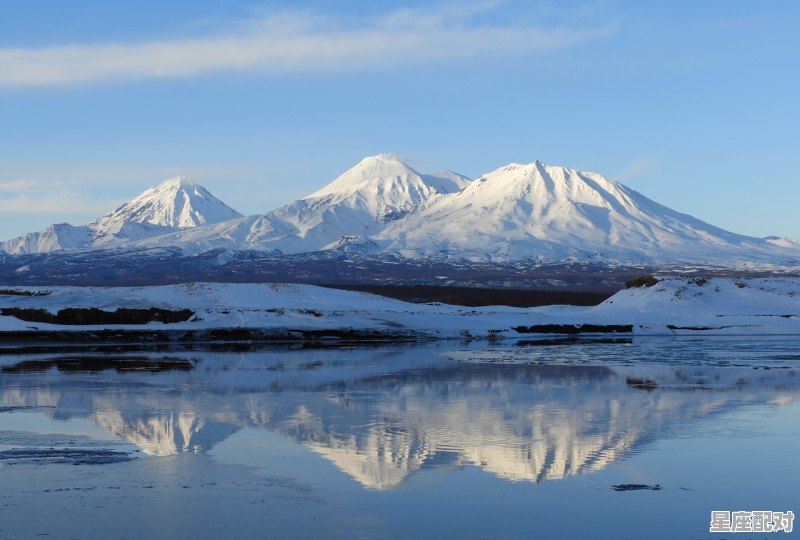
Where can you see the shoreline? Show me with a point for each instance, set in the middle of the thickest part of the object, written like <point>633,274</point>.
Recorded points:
<point>288,313</point>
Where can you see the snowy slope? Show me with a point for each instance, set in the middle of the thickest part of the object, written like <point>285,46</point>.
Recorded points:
<point>53,238</point>
<point>675,305</point>
<point>378,190</point>
<point>361,202</point>
<point>174,204</point>
<point>384,207</point>
<point>552,213</point>
<point>537,212</point>
<point>177,203</point>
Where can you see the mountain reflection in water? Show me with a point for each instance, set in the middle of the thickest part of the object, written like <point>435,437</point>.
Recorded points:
<point>523,414</point>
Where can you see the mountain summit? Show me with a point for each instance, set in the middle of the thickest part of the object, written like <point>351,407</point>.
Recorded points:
<point>383,188</point>
<point>553,213</point>
<point>177,203</point>
<point>174,204</point>
<point>386,179</point>
<point>357,204</point>
<point>345,213</point>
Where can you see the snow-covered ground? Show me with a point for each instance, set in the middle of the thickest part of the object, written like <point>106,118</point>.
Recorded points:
<point>673,305</point>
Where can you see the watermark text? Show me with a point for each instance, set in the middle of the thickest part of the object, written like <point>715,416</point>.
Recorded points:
<point>725,521</point>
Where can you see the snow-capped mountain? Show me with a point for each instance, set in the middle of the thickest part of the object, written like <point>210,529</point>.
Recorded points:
<point>361,202</point>
<point>177,203</point>
<point>533,211</point>
<point>554,213</point>
<point>358,204</point>
<point>174,204</point>
<point>384,207</point>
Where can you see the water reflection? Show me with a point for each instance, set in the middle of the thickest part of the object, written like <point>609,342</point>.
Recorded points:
<point>528,413</point>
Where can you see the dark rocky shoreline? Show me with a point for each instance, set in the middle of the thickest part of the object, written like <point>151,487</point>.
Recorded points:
<point>39,338</point>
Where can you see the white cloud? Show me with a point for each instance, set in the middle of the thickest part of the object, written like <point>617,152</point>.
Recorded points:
<point>33,211</point>
<point>54,200</point>
<point>18,185</point>
<point>33,186</point>
<point>292,41</point>
<point>435,16</point>
<point>56,205</point>
<point>638,166</point>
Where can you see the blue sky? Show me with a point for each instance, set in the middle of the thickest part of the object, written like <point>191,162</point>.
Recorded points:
<point>694,104</point>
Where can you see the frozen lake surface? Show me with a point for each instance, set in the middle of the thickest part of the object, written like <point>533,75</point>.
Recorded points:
<point>447,440</point>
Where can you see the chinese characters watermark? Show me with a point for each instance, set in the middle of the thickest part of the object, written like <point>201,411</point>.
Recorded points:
<point>751,521</point>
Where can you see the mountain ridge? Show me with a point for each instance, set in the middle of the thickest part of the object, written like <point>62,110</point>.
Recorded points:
<point>384,207</point>
<point>358,203</point>
<point>542,209</point>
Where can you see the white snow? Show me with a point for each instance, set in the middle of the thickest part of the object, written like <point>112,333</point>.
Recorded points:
<point>520,211</point>
<point>174,204</point>
<point>554,213</point>
<point>55,237</point>
<point>382,206</point>
<point>360,203</point>
<point>719,306</point>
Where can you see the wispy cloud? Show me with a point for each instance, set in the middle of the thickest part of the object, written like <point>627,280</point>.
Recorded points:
<point>58,205</point>
<point>33,186</point>
<point>53,200</point>
<point>294,42</point>
<point>638,166</point>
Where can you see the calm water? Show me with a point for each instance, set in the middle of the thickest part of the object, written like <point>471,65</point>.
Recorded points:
<point>427,441</point>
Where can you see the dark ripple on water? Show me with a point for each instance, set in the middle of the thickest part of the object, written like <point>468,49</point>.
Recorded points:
<point>70,456</point>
